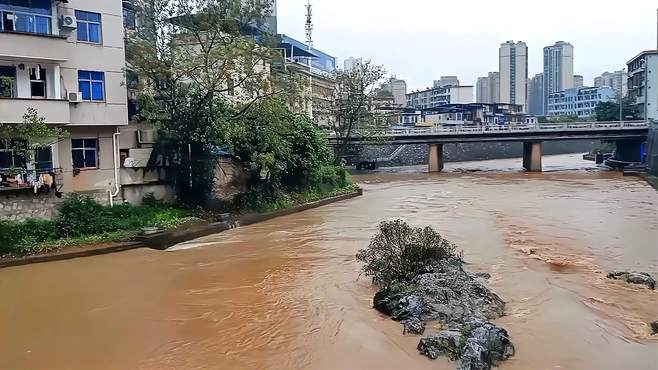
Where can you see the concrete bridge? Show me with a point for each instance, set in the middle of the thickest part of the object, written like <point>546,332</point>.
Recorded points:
<point>628,135</point>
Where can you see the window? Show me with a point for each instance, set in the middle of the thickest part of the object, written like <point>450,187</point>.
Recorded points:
<point>128,17</point>
<point>43,158</point>
<point>33,16</point>
<point>92,85</point>
<point>8,157</point>
<point>38,82</point>
<point>84,153</point>
<point>89,26</point>
<point>7,81</point>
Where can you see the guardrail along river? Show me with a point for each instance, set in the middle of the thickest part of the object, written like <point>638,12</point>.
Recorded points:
<point>286,294</point>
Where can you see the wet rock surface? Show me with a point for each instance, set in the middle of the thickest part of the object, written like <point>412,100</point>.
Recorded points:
<point>640,278</point>
<point>654,327</point>
<point>460,301</point>
<point>413,326</point>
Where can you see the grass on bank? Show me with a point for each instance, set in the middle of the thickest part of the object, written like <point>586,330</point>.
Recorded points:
<point>288,200</point>
<point>81,220</point>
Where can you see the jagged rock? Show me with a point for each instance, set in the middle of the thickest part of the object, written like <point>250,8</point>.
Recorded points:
<point>447,294</point>
<point>640,278</point>
<point>654,327</point>
<point>482,275</point>
<point>486,345</point>
<point>400,302</point>
<point>413,326</point>
<point>445,343</point>
<point>478,345</point>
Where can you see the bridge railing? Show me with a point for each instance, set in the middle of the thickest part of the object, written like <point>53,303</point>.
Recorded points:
<point>481,129</point>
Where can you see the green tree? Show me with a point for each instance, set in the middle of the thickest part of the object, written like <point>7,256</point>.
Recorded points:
<point>30,134</point>
<point>202,63</point>
<point>351,111</point>
<point>609,111</point>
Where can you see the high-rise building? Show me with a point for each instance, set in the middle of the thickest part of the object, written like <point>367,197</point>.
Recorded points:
<point>398,88</point>
<point>513,61</point>
<point>352,64</point>
<point>488,88</point>
<point>616,80</point>
<point>578,81</point>
<point>446,81</point>
<point>536,95</point>
<point>558,68</point>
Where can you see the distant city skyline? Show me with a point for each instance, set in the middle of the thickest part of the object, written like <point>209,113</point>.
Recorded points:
<point>418,52</point>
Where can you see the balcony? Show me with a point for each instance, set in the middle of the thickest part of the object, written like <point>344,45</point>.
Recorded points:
<point>54,111</point>
<point>30,47</point>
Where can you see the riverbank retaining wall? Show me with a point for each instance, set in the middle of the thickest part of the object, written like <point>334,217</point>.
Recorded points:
<point>413,155</point>
<point>20,207</point>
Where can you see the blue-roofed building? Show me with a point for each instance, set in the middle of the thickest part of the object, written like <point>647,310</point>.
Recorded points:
<point>321,63</point>
<point>579,102</point>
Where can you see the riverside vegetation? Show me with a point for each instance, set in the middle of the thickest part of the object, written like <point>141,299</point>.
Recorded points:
<point>422,281</point>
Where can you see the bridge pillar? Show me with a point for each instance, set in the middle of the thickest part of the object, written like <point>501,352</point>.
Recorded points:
<point>532,156</point>
<point>436,158</point>
<point>629,150</point>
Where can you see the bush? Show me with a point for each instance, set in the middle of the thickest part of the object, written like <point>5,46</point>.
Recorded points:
<point>399,252</point>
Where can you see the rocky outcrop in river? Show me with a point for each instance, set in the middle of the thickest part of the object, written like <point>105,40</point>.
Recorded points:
<point>447,294</point>
<point>640,278</point>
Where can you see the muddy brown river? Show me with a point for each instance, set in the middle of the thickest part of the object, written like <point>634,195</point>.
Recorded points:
<point>286,294</point>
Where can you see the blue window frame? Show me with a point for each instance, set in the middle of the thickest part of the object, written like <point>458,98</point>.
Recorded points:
<point>84,153</point>
<point>89,26</point>
<point>92,85</point>
<point>31,16</point>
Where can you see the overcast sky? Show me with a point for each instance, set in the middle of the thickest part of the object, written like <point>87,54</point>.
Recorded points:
<point>421,40</point>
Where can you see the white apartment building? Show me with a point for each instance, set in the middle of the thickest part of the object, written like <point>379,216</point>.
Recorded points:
<point>643,83</point>
<point>439,96</point>
<point>513,62</point>
<point>578,81</point>
<point>558,69</point>
<point>66,59</point>
<point>445,81</point>
<point>616,80</point>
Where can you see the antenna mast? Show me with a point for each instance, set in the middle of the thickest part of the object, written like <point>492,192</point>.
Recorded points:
<point>309,25</point>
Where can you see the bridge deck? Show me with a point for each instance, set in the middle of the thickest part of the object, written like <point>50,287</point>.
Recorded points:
<point>633,130</point>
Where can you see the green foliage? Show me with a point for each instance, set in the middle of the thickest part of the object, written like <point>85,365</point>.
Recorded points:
<point>398,252</point>
<point>30,134</point>
<point>82,219</point>
<point>609,111</point>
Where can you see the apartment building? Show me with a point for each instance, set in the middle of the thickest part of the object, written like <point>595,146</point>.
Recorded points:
<point>488,88</point>
<point>438,96</point>
<point>579,102</point>
<point>617,80</point>
<point>643,83</point>
<point>513,62</point>
<point>558,69</point>
<point>536,95</point>
<point>66,59</point>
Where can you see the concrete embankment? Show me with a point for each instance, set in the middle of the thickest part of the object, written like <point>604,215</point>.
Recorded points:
<point>164,240</point>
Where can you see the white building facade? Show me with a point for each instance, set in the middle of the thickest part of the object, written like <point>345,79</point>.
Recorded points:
<point>643,83</point>
<point>488,88</point>
<point>353,64</point>
<point>66,59</point>
<point>579,102</point>
<point>513,62</point>
<point>439,96</point>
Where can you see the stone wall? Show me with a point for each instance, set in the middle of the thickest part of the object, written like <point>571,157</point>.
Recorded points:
<point>418,154</point>
<point>231,179</point>
<point>20,207</point>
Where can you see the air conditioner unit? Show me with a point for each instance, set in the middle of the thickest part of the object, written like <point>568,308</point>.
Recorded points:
<point>147,136</point>
<point>68,22</point>
<point>74,96</point>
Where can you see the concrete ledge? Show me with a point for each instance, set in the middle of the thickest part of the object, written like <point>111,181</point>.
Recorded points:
<point>168,239</point>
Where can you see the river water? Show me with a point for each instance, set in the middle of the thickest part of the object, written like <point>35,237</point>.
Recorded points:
<point>286,294</point>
